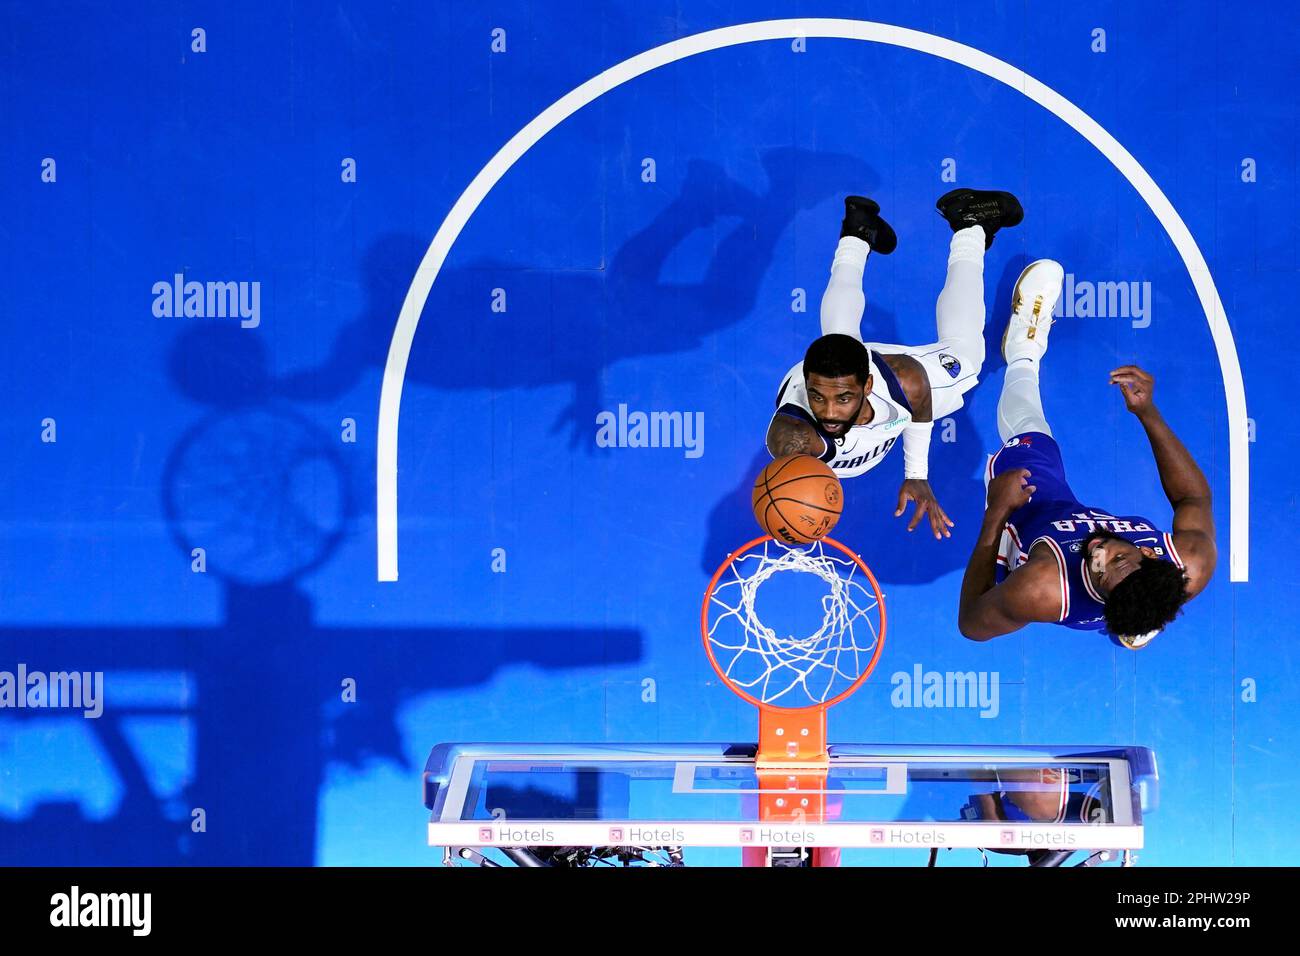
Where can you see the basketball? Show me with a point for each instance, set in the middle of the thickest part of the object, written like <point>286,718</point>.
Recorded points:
<point>797,499</point>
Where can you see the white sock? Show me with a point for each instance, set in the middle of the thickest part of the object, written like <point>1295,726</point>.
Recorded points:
<point>968,246</point>
<point>843,302</point>
<point>1020,408</point>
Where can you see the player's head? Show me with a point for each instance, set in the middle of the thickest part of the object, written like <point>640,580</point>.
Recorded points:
<point>837,377</point>
<point>1143,593</point>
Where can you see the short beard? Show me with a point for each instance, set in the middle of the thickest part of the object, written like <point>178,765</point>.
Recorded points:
<point>849,423</point>
<point>1097,537</point>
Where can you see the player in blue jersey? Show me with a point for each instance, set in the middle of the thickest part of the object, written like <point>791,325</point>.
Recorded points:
<point>1042,555</point>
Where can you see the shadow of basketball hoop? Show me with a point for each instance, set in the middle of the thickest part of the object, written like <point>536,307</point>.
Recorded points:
<point>269,495</point>
<point>262,490</point>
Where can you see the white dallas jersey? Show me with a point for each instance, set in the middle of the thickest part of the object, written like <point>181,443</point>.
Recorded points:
<point>864,446</point>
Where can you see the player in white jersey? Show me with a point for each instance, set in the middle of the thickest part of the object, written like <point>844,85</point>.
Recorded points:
<point>848,402</point>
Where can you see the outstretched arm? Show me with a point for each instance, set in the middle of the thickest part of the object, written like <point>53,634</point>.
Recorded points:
<point>1030,593</point>
<point>916,484</point>
<point>1184,483</point>
<point>916,446</point>
<point>790,436</point>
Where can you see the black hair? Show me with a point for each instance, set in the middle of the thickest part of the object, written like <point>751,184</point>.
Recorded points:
<point>836,355</point>
<point>1146,600</point>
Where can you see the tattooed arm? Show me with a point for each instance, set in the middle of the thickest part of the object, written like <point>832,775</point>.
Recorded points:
<point>790,436</point>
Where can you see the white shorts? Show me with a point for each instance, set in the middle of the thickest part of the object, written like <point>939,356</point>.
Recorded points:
<point>949,366</point>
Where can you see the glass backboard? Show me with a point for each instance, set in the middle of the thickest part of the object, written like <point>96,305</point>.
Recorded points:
<point>875,796</point>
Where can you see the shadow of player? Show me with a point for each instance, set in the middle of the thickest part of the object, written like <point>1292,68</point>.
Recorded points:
<point>568,326</point>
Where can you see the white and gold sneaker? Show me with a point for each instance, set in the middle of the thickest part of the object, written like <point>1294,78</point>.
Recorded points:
<point>1032,302</point>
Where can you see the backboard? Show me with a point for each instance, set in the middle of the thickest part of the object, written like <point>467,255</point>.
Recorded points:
<point>1014,798</point>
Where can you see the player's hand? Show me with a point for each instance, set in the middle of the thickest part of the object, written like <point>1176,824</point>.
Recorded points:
<point>1137,386</point>
<point>1010,490</point>
<point>919,491</point>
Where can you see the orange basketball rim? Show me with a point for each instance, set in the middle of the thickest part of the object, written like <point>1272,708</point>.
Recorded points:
<point>793,681</point>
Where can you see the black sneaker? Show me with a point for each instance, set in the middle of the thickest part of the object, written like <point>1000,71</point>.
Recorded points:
<point>862,220</point>
<point>989,208</point>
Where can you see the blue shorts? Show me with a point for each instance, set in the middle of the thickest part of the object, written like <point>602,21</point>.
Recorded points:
<point>1042,456</point>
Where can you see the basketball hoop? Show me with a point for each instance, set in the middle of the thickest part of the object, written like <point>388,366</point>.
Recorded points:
<point>793,679</point>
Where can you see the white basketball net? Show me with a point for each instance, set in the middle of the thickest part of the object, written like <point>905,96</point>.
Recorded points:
<point>784,669</point>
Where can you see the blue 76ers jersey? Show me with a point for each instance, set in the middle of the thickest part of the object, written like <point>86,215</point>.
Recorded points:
<point>1056,518</point>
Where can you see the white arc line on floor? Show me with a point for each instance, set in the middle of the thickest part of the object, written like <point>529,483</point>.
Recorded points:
<point>399,350</point>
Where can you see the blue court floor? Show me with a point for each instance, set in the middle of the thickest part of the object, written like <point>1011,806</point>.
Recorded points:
<point>192,504</point>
